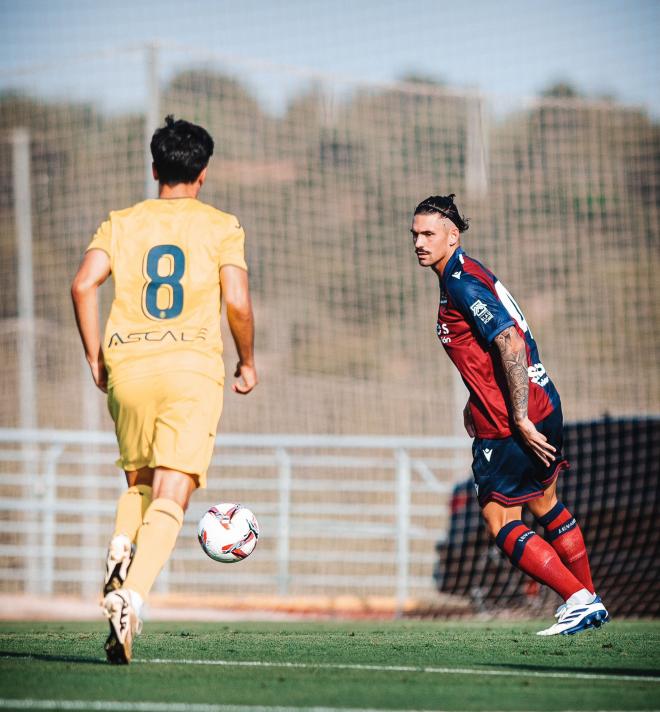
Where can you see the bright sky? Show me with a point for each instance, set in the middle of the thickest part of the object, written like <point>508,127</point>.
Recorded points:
<point>511,48</point>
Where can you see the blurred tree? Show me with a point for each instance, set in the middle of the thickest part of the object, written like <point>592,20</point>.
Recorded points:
<point>413,77</point>
<point>562,89</point>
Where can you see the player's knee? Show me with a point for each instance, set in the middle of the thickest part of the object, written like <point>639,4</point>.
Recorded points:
<point>175,486</point>
<point>493,523</point>
<point>541,506</point>
<point>496,516</point>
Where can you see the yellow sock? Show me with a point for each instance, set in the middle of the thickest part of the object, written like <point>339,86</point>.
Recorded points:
<point>130,510</point>
<point>155,542</point>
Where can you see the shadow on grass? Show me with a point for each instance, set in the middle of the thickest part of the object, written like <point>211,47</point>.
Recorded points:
<point>559,669</point>
<point>9,654</point>
<point>543,669</point>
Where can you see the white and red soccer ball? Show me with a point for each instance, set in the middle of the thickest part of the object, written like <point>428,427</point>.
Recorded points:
<point>228,532</point>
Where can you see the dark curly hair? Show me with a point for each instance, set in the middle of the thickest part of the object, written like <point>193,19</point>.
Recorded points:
<point>443,204</point>
<point>181,151</point>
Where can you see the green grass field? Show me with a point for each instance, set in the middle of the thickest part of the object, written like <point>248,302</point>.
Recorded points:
<point>401,665</point>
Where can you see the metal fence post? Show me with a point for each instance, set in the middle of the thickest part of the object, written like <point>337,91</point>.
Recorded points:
<point>476,163</point>
<point>402,530</point>
<point>27,403</point>
<point>91,531</point>
<point>48,514</point>
<point>284,477</point>
<point>152,117</point>
<point>27,393</point>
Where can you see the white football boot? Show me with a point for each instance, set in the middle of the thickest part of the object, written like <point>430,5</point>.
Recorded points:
<point>124,626</point>
<point>120,555</point>
<point>560,609</point>
<point>578,617</point>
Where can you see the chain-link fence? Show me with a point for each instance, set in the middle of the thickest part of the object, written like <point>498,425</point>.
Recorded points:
<point>563,197</point>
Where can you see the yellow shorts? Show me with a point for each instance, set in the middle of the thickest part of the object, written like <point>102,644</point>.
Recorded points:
<point>167,420</point>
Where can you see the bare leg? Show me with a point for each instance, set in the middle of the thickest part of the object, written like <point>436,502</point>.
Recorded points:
<point>496,516</point>
<point>173,485</point>
<point>542,505</point>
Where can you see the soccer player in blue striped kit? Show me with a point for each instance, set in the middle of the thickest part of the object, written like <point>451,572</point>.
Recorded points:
<point>514,415</point>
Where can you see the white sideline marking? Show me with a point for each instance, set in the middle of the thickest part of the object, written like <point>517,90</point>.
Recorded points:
<point>389,668</point>
<point>406,668</point>
<point>167,707</point>
<point>111,705</point>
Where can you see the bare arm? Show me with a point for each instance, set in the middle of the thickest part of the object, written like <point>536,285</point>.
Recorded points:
<point>514,361</point>
<point>93,271</point>
<point>236,295</point>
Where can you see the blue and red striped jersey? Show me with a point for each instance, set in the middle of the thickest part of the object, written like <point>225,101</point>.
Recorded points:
<point>474,308</point>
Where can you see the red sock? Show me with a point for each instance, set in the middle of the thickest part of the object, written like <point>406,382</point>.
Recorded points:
<point>563,532</point>
<point>533,555</point>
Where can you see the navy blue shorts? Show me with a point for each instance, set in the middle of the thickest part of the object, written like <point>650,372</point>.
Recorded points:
<point>505,471</point>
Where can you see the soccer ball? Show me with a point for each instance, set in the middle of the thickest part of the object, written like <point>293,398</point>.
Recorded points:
<point>228,532</point>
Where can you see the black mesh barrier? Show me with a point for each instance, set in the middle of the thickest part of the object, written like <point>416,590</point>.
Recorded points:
<point>612,490</point>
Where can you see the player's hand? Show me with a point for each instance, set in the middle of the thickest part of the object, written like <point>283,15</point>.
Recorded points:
<point>468,422</point>
<point>99,374</point>
<point>248,378</point>
<point>536,442</point>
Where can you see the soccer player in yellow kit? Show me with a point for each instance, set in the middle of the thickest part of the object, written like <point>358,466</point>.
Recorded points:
<point>173,260</point>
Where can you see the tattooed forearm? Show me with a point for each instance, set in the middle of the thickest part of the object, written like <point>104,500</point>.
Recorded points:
<point>514,361</point>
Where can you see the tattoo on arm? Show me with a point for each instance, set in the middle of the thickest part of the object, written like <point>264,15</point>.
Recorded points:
<point>514,361</point>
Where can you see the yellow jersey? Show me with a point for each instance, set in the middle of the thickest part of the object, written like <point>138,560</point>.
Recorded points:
<point>165,257</point>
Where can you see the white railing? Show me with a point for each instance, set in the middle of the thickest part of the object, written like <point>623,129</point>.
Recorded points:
<point>340,514</point>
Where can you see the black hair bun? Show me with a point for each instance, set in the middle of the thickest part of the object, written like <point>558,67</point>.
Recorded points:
<point>443,204</point>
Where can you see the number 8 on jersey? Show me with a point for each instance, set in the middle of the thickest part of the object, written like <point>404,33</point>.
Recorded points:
<point>158,283</point>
